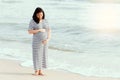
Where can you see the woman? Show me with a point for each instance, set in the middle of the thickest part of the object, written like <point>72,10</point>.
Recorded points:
<point>40,29</point>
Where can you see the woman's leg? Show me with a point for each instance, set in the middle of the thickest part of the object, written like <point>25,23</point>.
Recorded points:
<point>36,60</point>
<point>43,58</point>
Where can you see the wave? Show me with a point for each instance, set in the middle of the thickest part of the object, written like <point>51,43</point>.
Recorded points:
<point>11,1</point>
<point>104,1</point>
<point>69,0</point>
<point>27,41</point>
<point>61,49</point>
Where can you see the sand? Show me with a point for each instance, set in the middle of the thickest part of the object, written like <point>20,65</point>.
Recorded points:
<point>11,70</point>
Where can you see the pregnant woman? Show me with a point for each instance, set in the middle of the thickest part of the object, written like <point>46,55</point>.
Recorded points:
<point>40,29</point>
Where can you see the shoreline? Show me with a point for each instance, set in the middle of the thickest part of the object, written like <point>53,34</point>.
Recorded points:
<point>12,70</point>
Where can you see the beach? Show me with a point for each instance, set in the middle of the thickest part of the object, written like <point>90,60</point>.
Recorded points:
<point>11,70</point>
<point>85,39</point>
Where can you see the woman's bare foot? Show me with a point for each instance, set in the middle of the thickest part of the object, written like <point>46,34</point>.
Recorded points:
<point>36,73</point>
<point>40,73</point>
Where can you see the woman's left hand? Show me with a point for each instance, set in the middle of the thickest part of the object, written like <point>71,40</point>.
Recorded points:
<point>45,41</point>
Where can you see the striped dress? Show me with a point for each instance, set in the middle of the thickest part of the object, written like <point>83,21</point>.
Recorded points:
<point>39,50</point>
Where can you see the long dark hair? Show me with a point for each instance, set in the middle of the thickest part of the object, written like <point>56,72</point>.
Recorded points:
<point>37,10</point>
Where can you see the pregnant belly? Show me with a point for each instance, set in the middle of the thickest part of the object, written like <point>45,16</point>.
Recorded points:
<point>40,36</point>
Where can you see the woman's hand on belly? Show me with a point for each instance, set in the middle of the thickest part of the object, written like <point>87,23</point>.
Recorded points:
<point>36,31</point>
<point>45,41</point>
<point>42,30</point>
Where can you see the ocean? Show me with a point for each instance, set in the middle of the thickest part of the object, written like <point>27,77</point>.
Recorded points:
<point>85,35</point>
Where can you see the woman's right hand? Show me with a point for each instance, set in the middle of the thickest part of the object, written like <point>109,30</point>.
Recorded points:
<point>42,30</point>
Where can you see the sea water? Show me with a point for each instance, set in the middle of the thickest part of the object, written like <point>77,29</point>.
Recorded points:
<point>85,35</point>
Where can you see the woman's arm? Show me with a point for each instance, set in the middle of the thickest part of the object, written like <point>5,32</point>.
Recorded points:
<point>49,34</point>
<point>48,38</point>
<point>36,31</point>
<point>33,31</point>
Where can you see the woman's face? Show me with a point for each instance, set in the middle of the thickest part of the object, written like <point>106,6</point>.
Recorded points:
<point>40,15</point>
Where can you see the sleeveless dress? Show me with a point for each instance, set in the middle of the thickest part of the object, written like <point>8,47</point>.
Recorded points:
<point>39,50</point>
